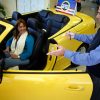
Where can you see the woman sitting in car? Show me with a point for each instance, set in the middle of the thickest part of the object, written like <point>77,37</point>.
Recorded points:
<point>19,47</point>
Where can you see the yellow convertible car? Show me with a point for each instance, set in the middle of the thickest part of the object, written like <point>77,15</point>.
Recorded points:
<point>46,77</point>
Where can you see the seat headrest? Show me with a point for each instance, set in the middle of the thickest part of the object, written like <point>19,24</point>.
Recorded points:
<point>16,15</point>
<point>33,23</point>
<point>44,13</point>
<point>58,18</point>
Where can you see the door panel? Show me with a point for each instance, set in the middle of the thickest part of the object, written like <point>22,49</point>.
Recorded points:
<point>51,60</point>
<point>45,86</point>
<point>72,44</point>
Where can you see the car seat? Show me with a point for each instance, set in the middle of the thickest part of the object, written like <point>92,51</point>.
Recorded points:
<point>55,23</point>
<point>43,18</point>
<point>33,25</point>
<point>15,16</point>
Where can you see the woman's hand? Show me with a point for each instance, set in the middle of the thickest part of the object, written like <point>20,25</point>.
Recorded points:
<point>14,56</point>
<point>70,35</point>
<point>60,52</point>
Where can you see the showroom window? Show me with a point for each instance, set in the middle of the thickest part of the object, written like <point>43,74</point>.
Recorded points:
<point>24,6</point>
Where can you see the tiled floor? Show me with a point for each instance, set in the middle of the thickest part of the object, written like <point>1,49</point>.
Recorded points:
<point>89,8</point>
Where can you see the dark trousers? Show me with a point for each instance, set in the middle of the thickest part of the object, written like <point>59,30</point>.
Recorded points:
<point>98,2</point>
<point>96,87</point>
<point>78,6</point>
<point>11,62</point>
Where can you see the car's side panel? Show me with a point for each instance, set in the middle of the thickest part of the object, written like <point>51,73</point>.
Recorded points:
<point>45,86</point>
<point>73,45</point>
<point>51,60</point>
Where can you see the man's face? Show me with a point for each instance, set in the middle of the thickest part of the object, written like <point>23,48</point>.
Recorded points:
<point>98,14</point>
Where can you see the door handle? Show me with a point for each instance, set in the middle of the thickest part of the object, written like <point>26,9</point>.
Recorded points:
<point>75,87</point>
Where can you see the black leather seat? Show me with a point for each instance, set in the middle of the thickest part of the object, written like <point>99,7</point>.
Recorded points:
<point>55,23</point>
<point>33,25</point>
<point>15,16</point>
<point>43,16</point>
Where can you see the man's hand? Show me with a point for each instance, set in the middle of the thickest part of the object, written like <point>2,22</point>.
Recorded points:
<point>59,52</point>
<point>70,35</point>
<point>14,56</point>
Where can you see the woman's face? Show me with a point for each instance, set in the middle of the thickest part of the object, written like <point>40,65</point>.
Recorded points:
<point>21,28</point>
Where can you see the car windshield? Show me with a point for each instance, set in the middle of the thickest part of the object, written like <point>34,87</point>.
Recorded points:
<point>2,28</point>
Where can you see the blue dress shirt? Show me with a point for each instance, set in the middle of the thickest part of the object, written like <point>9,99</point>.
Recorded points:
<point>86,59</point>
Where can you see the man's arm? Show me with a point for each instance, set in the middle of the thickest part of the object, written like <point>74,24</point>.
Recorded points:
<point>84,38</point>
<point>78,58</point>
<point>81,37</point>
<point>86,59</point>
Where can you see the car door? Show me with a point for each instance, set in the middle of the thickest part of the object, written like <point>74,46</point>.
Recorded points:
<point>51,60</point>
<point>78,24</point>
<point>45,85</point>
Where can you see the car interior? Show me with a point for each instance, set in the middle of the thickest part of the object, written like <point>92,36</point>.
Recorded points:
<point>45,19</point>
<point>41,25</point>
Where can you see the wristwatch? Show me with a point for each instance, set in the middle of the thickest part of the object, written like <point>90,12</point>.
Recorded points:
<point>18,56</point>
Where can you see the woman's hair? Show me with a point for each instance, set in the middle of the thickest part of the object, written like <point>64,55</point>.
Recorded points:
<point>16,32</point>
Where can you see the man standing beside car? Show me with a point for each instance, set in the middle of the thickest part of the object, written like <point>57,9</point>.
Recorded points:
<point>91,58</point>
<point>78,5</point>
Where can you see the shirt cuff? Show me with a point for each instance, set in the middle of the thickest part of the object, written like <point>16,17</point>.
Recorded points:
<point>75,36</point>
<point>68,54</point>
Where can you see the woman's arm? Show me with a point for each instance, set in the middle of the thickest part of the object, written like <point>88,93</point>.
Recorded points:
<point>9,42</point>
<point>28,48</point>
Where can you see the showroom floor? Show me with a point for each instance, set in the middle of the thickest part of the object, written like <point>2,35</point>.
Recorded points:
<point>90,8</point>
